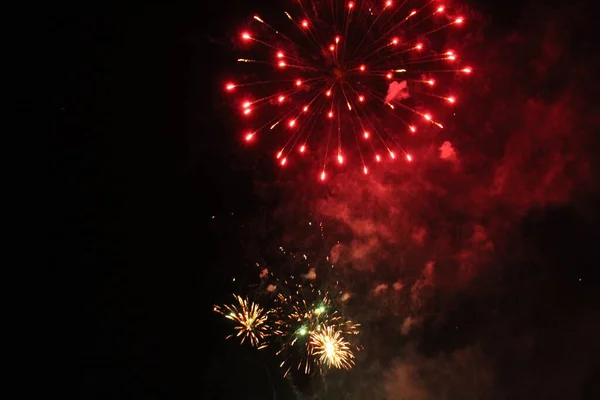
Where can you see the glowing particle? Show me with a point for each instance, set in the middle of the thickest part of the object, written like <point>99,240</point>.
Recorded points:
<point>392,155</point>
<point>350,4</point>
<point>330,114</point>
<point>459,20</point>
<point>246,36</point>
<point>377,157</point>
<point>466,70</point>
<point>292,122</point>
<point>281,98</point>
<point>431,82</point>
<point>249,136</point>
<point>281,64</point>
<point>419,46</point>
<point>412,129</point>
<point>328,93</point>
<point>332,47</point>
<point>440,9</point>
<point>305,24</point>
<point>298,82</point>
<point>362,67</point>
<point>389,75</point>
<point>361,98</point>
<point>302,148</point>
<point>230,86</point>
<point>305,109</point>
<point>427,117</point>
<point>323,175</point>
<point>408,157</point>
<point>395,41</point>
<point>366,135</point>
<point>365,170</point>
<point>283,161</point>
<point>340,159</point>
<point>450,99</point>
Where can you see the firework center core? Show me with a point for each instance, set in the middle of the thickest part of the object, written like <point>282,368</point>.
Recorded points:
<point>338,73</point>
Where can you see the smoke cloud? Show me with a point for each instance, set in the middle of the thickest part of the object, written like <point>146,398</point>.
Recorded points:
<point>397,91</point>
<point>426,246</point>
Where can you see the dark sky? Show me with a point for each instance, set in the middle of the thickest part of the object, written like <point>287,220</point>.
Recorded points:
<point>146,154</point>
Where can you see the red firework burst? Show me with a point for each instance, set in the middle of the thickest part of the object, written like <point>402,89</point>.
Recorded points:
<point>331,73</point>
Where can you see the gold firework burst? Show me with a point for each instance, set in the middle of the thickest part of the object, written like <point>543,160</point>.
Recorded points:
<point>329,346</point>
<point>251,319</point>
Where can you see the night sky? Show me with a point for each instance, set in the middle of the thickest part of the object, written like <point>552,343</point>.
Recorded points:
<point>159,207</point>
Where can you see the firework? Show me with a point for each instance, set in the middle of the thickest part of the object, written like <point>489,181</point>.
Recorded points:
<point>345,80</point>
<point>302,312</point>
<point>251,321</point>
<point>329,346</point>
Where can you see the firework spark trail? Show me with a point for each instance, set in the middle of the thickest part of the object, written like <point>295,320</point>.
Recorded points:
<point>329,90</point>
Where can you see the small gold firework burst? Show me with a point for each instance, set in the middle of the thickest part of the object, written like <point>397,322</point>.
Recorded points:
<point>251,319</point>
<point>329,346</point>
